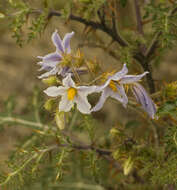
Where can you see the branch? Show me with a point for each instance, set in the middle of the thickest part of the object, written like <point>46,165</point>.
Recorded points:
<point>138,18</point>
<point>95,25</point>
<point>40,126</point>
<point>88,147</point>
<point>30,124</point>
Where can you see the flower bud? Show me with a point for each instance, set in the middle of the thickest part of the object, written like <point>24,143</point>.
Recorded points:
<point>171,90</point>
<point>116,154</point>
<point>114,132</point>
<point>2,15</point>
<point>128,166</point>
<point>60,120</point>
<point>50,104</point>
<point>51,81</point>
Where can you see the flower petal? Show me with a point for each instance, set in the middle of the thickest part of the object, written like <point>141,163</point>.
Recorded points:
<point>68,81</point>
<point>44,66</point>
<point>121,90</point>
<point>66,42</point>
<point>51,58</point>
<point>116,96</point>
<point>132,78</point>
<point>82,103</point>
<point>54,91</point>
<point>65,104</point>
<point>143,98</point>
<point>86,89</point>
<point>57,41</point>
<point>64,71</point>
<point>105,94</point>
<point>120,74</point>
<point>47,74</point>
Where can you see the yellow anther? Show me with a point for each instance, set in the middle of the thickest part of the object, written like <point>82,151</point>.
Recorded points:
<point>126,88</point>
<point>106,75</point>
<point>112,85</point>
<point>71,93</point>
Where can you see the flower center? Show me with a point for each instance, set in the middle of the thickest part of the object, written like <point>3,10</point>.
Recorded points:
<point>71,93</point>
<point>112,85</point>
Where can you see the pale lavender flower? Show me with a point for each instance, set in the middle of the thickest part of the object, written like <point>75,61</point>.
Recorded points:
<point>51,62</point>
<point>143,98</point>
<point>115,89</point>
<point>71,94</point>
<point>111,88</point>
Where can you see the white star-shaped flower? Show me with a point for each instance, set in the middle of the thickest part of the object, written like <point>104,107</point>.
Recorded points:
<point>71,94</point>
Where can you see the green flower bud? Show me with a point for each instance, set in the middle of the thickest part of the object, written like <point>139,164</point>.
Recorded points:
<point>128,166</point>
<point>171,90</point>
<point>60,120</point>
<point>50,104</point>
<point>51,81</point>
<point>114,132</point>
<point>116,154</point>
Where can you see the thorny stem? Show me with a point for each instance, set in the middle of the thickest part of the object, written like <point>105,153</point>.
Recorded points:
<point>35,155</point>
<point>40,126</point>
<point>138,18</point>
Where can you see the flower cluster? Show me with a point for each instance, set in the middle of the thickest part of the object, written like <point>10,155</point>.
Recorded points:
<point>114,83</point>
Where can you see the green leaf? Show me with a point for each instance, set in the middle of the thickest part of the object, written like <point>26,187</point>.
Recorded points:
<point>169,108</point>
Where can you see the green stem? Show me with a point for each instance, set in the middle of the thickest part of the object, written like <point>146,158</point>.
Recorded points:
<point>30,124</point>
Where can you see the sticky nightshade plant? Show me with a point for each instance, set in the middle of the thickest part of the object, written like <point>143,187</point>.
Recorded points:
<point>114,87</point>
<point>51,62</point>
<point>71,94</point>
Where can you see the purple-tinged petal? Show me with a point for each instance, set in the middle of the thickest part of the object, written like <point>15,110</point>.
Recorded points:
<point>68,81</point>
<point>57,41</point>
<point>49,73</point>
<point>44,67</point>
<point>123,95</point>
<point>127,79</point>
<point>64,71</point>
<point>105,94</point>
<point>66,42</point>
<point>143,98</point>
<point>120,74</point>
<point>47,66</point>
<point>50,58</point>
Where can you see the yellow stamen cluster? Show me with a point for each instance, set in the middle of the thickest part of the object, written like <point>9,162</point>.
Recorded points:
<point>112,85</point>
<point>66,59</point>
<point>106,75</point>
<point>71,93</point>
